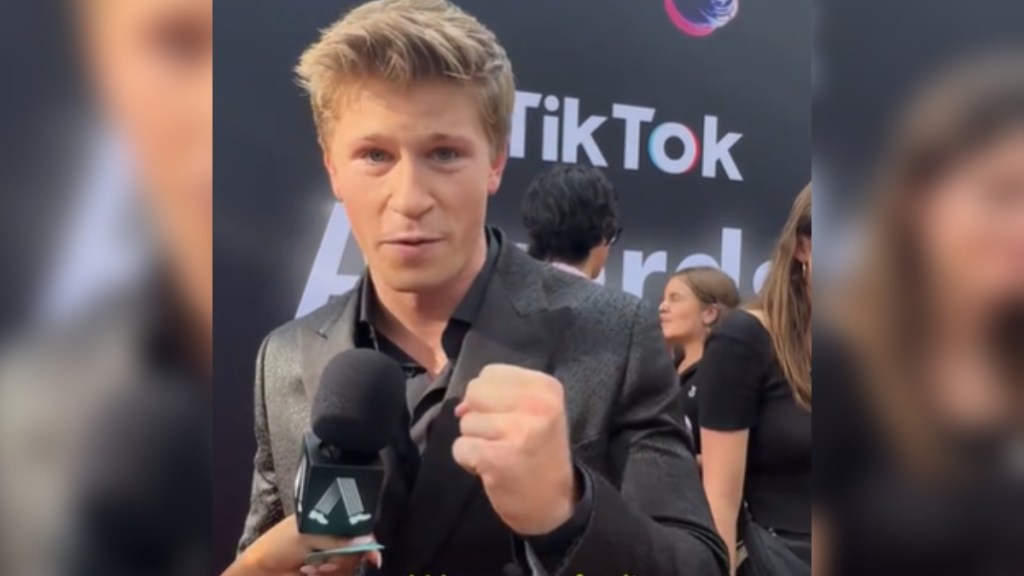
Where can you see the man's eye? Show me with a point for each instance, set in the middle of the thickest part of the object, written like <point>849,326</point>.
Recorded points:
<point>446,154</point>
<point>376,155</point>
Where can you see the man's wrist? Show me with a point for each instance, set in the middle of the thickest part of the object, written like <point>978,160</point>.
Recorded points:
<point>552,547</point>
<point>570,498</point>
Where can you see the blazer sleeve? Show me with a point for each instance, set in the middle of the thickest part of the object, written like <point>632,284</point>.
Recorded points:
<point>657,522</point>
<point>265,509</point>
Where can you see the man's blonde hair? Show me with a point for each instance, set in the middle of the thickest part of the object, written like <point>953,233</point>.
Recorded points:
<point>405,41</point>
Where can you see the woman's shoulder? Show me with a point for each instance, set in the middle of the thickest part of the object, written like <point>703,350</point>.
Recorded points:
<point>746,326</point>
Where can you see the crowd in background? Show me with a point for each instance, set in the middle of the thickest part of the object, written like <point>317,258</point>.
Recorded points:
<point>744,369</point>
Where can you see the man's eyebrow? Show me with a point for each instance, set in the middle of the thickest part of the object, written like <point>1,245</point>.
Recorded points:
<point>442,136</point>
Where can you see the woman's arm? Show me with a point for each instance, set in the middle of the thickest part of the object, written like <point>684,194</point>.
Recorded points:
<point>725,462</point>
<point>728,385</point>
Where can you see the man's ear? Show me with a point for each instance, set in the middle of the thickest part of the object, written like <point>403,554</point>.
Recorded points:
<point>498,164</point>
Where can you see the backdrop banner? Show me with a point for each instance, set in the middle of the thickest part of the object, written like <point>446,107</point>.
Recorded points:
<point>698,111</point>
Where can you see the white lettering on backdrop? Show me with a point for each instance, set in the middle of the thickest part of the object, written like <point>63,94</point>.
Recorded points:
<point>328,277</point>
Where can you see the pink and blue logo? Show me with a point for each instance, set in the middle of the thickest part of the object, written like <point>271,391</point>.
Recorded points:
<point>701,17</point>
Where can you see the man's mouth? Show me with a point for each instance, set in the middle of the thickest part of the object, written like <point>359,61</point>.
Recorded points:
<point>412,240</point>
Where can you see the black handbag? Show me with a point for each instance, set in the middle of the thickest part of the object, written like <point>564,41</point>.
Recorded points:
<point>770,553</point>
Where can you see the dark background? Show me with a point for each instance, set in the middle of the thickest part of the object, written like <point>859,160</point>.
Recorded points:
<point>272,201</point>
<point>870,58</point>
<point>871,55</point>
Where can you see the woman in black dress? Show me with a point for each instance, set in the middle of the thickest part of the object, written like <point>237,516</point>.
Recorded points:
<point>695,300</point>
<point>754,396</point>
<point>918,438</point>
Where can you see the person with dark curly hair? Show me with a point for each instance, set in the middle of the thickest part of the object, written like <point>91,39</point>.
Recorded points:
<point>571,217</point>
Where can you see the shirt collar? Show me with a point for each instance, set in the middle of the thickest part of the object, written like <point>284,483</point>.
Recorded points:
<point>689,372</point>
<point>570,269</point>
<point>470,304</point>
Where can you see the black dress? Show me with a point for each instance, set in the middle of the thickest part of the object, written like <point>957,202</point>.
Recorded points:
<point>741,387</point>
<point>689,387</point>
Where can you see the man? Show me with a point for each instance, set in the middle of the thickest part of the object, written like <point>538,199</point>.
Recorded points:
<point>545,409</point>
<point>570,215</point>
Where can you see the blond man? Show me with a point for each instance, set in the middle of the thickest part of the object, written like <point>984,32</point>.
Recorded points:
<point>544,409</point>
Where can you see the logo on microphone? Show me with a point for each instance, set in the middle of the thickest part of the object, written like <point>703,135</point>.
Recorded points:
<point>299,491</point>
<point>700,18</point>
<point>342,489</point>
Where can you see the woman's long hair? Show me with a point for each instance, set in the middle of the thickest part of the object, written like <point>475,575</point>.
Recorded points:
<point>883,310</point>
<point>785,301</point>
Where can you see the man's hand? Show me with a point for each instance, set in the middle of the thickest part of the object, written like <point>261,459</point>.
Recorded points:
<point>515,438</point>
<point>282,551</point>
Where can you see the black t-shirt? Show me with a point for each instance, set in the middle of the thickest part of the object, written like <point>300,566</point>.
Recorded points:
<point>741,387</point>
<point>689,386</point>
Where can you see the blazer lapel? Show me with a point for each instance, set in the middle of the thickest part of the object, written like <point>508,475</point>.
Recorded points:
<point>318,346</point>
<point>502,333</point>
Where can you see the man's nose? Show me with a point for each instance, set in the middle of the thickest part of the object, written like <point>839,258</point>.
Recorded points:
<point>411,195</point>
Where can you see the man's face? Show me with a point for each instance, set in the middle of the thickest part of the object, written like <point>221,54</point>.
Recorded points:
<point>413,167</point>
<point>152,65</point>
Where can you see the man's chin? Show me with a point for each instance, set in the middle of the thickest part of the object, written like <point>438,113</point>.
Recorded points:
<point>413,281</point>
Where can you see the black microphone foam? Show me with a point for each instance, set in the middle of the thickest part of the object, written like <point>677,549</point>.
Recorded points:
<point>360,401</point>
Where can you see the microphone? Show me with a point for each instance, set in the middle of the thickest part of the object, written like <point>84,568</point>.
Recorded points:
<point>360,403</point>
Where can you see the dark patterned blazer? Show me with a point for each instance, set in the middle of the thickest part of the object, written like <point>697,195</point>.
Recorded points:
<point>649,515</point>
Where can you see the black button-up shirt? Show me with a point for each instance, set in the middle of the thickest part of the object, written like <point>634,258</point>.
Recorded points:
<point>425,396</point>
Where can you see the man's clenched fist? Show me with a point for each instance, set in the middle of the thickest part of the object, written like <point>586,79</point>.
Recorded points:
<point>515,438</point>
